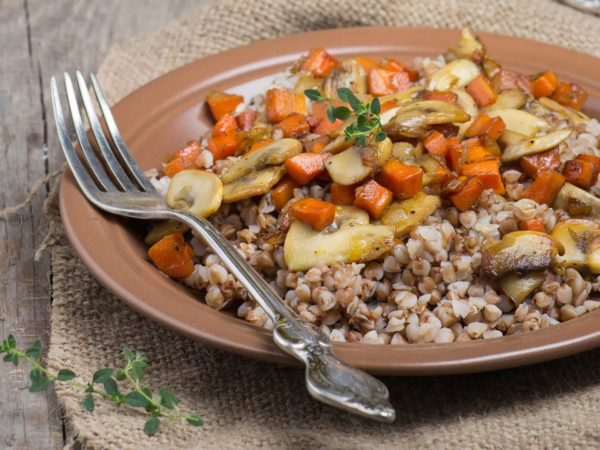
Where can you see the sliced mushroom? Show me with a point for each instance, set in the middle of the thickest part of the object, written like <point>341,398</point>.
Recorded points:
<point>405,152</point>
<point>535,145</point>
<point>407,95</point>
<point>518,287</point>
<point>520,121</point>
<point>338,145</point>
<point>467,45</point>
<point>349,74</point>
<point>457,73</point>
<point>577,117</point>
<point>353,240</point>
<point>159,230</point>
<point>468,105</point>
<point>577,201</point>
<point>519,252</point>
<point>509,137</point>
<point>349,166</point>
<point>581,239</point>
<point>407,214</point>
<point>255,183</point>
<point>508,99</point>
<point>275,153</point>
<point>246,139</point>
<point>412,119</point>
<point>307,81</point>
<point>195,191</point>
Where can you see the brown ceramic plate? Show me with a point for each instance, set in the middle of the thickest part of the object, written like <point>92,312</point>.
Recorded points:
<point>161,116</point>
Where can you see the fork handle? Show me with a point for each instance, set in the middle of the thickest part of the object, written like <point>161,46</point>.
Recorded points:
<point>328,379</point>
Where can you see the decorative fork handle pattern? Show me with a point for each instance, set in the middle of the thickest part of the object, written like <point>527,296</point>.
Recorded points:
<point>327,378</point>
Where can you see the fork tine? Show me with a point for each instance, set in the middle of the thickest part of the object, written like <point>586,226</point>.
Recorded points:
<point>93,163</point>
<point>121,178</point>
<point>136,171</point>
<point>84,180</point>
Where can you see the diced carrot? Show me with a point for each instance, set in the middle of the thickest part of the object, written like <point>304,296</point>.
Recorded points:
<point>222,146</point>
<point>324,126</point>
<point>404,181</point>
<point>388,105</point>
<point>454,185</point>
<point>225,125</point>
<point>468,194</point>
<point>442,176</point>
<point>594,160</point>
<point>488,172</point>
<point>473,150</point>
<point>183,159</point>
<point>580,173</point>
<point>481,91</point>
<point>294,125</point>
<point>435,143</point>
<point>173,256</point>
<point>319,62</point>
<point>306,166</point>
<point>545,187</point>
<point>342,195</point>
<point>570,94</point>
<point>366,63</point>
<point>545,161</point>
<point>533,224</point>
<point>316,145</point>
<point>397,66</point>
<point>316,213</point>
<point>544,85</point>
<point>246,119</point>
<point>373,198</point>
<point>486,126</point>
<point>442,96</point>
<point>283,192</point>
<point>384,82</point>
<point>259,144</point>
<point>281,103</point>
<point>507,79</point>
<point>454,155</point>
<point>221,103</point>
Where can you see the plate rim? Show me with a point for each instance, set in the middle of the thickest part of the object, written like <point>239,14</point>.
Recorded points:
<point>515,354</point>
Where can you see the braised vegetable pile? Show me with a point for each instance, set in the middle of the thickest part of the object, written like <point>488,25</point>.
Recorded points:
<point>391,145</point>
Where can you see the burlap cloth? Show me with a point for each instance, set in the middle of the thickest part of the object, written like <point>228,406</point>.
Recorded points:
<point>247,403</point>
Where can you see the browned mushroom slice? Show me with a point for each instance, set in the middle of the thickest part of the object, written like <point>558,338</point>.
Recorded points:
<point>535,145</point>
<point>518,287</point>
<point>405,215</point>
<point>581,239</point>
<point>577,201</point>
<point>349,74</point>
<point>412,119</point>
<point>272,154</point>
<point>255,183</point>
<point>351,166</point>
<point>519,252</point>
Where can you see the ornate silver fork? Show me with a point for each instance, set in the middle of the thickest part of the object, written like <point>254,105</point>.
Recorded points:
<point>112,180</point>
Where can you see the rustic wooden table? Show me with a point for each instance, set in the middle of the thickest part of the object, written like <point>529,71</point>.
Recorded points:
<point>40,39</point>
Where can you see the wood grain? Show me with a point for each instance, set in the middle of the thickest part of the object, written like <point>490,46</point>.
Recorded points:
<point>40,39</point>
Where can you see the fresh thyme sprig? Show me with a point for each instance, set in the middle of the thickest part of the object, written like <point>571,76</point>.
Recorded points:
<point>367,115</point>
<point>164,404</point>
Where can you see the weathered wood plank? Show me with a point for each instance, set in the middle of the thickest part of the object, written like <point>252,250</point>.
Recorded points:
<point>39,39</point>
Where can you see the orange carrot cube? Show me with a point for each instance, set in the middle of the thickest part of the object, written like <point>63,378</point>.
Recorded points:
<point>319,62</point>
<point>373,198</point>
<point>316,213</point>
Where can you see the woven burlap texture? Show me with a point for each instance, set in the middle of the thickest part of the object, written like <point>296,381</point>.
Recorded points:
<point>247,403</point>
